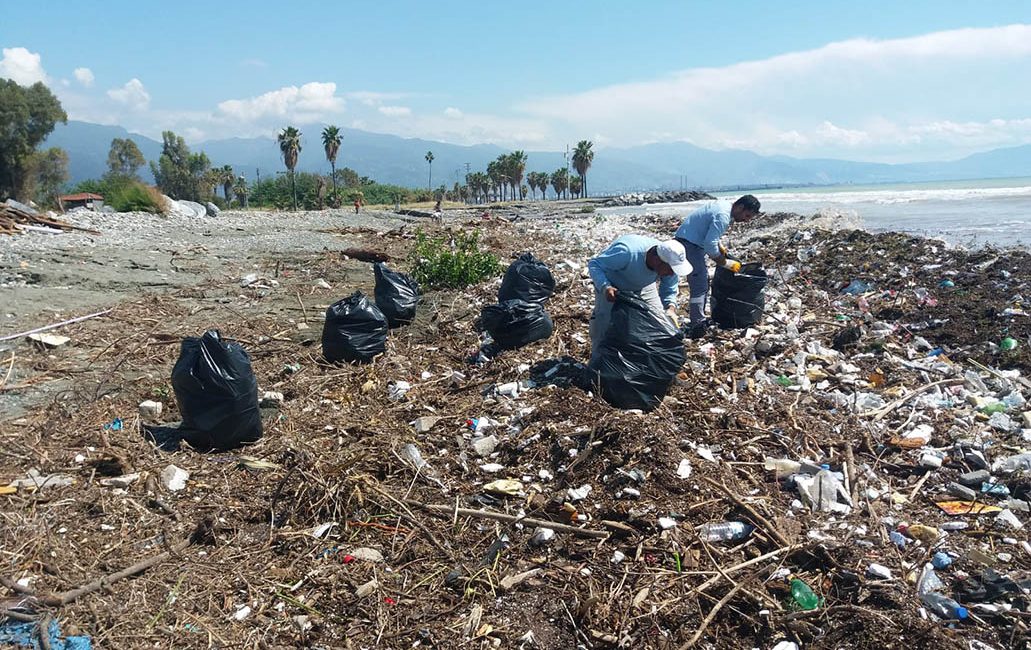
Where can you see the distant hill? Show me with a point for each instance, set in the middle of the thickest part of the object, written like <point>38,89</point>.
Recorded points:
<point>392,159</point>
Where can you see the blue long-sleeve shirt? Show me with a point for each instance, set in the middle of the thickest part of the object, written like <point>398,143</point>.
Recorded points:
<point>706,225</point>
<point>622,265</point>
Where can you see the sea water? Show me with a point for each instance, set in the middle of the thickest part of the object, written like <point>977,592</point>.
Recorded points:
<point>967,213</point>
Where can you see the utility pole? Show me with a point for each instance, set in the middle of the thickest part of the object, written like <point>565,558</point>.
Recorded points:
<point>566,157</point>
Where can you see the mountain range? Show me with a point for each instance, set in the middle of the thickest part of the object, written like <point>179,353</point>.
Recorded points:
<point>660,166</point>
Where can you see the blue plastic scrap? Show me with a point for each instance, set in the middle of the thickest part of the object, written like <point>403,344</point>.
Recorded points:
<point>26,635</point>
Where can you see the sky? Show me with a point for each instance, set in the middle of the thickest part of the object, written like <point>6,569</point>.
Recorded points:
<point>876,80</point>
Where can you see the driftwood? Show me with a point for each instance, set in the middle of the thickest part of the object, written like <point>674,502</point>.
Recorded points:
<point>54,325</point>
<point>499,516</point>
<point>14,220</point>
<point>365,255</point>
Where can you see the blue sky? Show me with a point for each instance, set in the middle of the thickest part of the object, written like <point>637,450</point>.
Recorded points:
<point>868,80</point>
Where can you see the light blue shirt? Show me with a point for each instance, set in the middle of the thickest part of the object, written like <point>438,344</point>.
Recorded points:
<point>622,265</point>
<point>706,225</point>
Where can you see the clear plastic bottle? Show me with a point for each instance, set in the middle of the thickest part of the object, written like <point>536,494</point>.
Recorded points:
<point>727,531</point>
<point>943,607</point>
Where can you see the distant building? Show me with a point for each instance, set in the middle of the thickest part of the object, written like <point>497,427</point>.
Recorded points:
<point>81,200</point>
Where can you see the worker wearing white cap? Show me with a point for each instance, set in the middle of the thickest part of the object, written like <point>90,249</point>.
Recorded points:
<point>639,264</point>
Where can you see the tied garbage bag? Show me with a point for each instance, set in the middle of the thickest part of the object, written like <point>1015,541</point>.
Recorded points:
<point>515,323</point>
<point>640,356</point>
<point>396,295</point>
<point>738,299</point>
<point>355,330</point>
<point>217,393</point>
<point>527,279</point>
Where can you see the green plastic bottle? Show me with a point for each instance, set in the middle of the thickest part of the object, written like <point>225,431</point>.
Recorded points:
<point>803,595</point>
<point>1008,343</point>
<point>997,407</point>
<point>783,380</point>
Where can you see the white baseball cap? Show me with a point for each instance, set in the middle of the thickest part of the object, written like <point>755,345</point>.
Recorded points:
<point>672,252</point>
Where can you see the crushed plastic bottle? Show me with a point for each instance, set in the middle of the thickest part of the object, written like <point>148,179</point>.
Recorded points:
<point>1017,463</point>
<point>944,607</point>
<point>727,531</point>
<point>803,595</point>
<point>1008,343</point>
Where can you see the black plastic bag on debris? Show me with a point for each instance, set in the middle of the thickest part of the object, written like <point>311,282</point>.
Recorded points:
<point>515,323</point>
<point>527,279</point>
<point>640,356</point>
<point>355,330</point>
<point>217,393</point>
<point>738,299</point>
<point>397,295</point>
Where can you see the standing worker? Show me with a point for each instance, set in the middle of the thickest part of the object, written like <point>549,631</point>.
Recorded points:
<point>700,236</point>
<point>357,204</point>
<point>635,263</point>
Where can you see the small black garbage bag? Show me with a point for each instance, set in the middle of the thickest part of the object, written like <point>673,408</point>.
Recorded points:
<point>217,393</point>
<point>515,323</point>
<point>527,279</point>
<point>355,330</point>
<point>738,299</point>
<point>640,355</point>
<point>397,295</point>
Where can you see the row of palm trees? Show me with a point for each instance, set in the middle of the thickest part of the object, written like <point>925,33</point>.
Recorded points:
<point>503,178</point>
<point>503,174</point>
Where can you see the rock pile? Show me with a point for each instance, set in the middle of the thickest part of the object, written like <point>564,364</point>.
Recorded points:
<point>642,198</point>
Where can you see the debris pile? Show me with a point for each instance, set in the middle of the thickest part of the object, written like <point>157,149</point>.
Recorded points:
<point>850,470</point>
<point>17,217</point>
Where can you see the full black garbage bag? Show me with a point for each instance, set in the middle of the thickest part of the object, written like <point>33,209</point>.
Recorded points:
<point>527,279</point>
<point>217,393</point>
<point>738,299</point>
<point>515,323</point>
<point>355,330</point>
<point>397,295</point>
<point>640,355</point>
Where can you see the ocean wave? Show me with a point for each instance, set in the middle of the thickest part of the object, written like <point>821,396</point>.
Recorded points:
<point>891,197</point>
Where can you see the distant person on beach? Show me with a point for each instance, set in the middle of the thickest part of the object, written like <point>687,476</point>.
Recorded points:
<point>639,264</point>
<point>700,236</point>
<point>357,205</point>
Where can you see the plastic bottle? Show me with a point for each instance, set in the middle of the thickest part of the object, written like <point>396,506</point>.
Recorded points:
<point>803,595</point>
<point>1020,462</point>
<point>727,531</point>
<point>943,606</point>
<point>782,466</point>
<point>1008,343</point>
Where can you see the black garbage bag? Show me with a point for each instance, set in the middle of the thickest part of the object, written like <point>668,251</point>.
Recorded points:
<point>217,393</point>
<point>515,323</point>
<point>397,295</point>
<point>639,356</point>
<point>355,330</point>
<point>738,299</point>
<point>527,279</point>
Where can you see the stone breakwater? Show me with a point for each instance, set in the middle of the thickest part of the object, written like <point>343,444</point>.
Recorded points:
<point>642,198</point>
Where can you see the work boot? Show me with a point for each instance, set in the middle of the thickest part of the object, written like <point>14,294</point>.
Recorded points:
<point>698,330</point>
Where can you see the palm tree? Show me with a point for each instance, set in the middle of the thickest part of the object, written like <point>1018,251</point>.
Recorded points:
<point>290,147</point>
<point>531,181</point>
<point>582,159</point>
<point>240,190</point>
<point>429,159</point>
<point>227,177</point>
<point>331,139</point>
<point>516,169</point>
<point>559,180</point>
<point>542,182</point>
<point>575,186</point>
<point>495,170</point>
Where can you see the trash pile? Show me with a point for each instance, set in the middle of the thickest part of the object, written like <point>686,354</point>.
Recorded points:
<point>17,217</point>
<point>850,469</point>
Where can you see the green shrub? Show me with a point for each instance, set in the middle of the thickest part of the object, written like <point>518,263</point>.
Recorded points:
<point>587,209</point>
<point>135,197</point>
<point>456,264</point>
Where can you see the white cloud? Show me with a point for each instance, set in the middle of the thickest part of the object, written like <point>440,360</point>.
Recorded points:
<point>21,66</point>
<point>132,95</point>
<point>253,63</point>
<point>312,102</point>
<point>84,76</point>
<point>451,111</point>
<point>854,97</point>
<point>395,111</point>
<point>373,98</point>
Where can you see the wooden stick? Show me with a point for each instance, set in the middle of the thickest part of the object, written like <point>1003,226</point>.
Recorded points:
<point>712,614</point>
<point>769,528</point>
<point>881,412</point>
<point>747,563</point>
<point>54,325</point>
<point>499,516</point>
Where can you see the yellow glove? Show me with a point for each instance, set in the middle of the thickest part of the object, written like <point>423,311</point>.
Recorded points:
<point>723,250</point>
<point>732,265</point>
<point>671,311</point>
